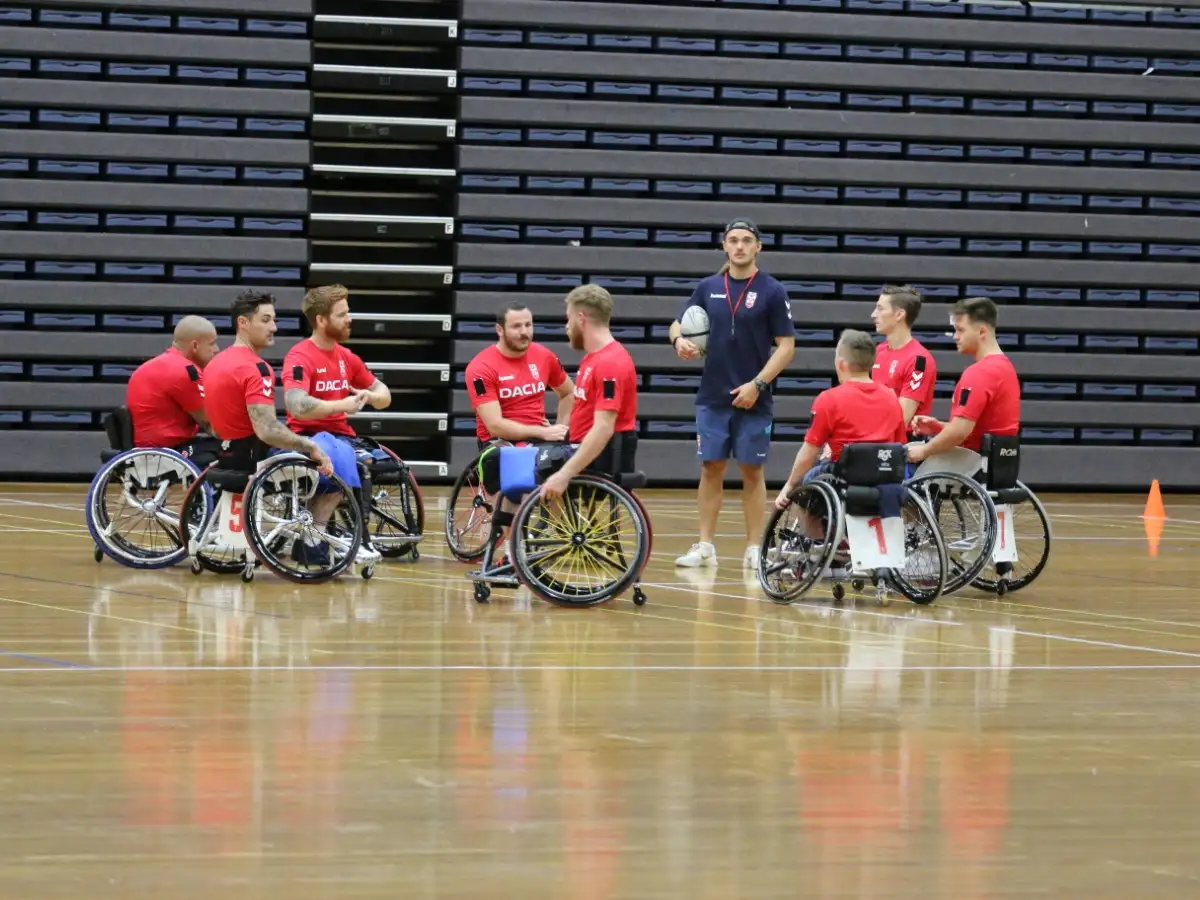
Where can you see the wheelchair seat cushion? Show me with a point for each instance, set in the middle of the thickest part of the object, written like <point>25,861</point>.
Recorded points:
<point>883,501</point>
<point>232,481</point>
<point>1011,496</point>
<point>520,470</point>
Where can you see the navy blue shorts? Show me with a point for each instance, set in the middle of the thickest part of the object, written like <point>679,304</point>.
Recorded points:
<point>722,432</point>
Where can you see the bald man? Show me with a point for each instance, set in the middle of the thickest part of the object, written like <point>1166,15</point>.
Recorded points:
<point>165,396</point>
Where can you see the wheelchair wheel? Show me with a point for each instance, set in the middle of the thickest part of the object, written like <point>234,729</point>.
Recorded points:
<point>278,521</point>
<point>195,518</point>
<point>397,511</point>
<point>585,548</point>
<point>966,518</point>
<point>1031,528</point>
<point>133,507</point>
<point>468,515</point>
<point>923,578</point>
<point>791,558</point>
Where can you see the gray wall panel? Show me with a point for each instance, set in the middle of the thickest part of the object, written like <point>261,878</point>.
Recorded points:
<point>53,455</point>
<point>208,299</point>
<point>173,197</point>
<point>171,147</point>
<point>805,217</point>
<point>649,164</point>
<point>795,23</point>
<point>64,94</point>
<point>1095,468</point>
<point>811,123</point>
<point>129,247</point>
<point>854,266</point>
<point>289,8</point>
<point>124,44</point>
<point>84,346</point>
<point>660,357</point>
<point>704,69</point>
<point>548,310</point>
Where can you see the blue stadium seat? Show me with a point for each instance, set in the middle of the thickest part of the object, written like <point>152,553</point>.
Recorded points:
<point>258,173</point>
<point>147,70</point>
<point>750,95</point>
<point>698,188</point>
<point>1169,391</point>
<point>558,39</point>
<point>489,279</point>
<point>1103,201</point>
<point>490,232</point>
<point>810,241</point>
<point>1114,248</point>
<point>800,145</point>
<point>1052,435</point>
<point>135,220</point>
<point>1043,341</point>
<point>623,41</point>
<point>64,320</point>
<point>139,20</point>
<point>1059,12</point>
<point>555,86</point>
<point>295,27</point>
<point>739,47</point>
<point>933,244</point>
<point>492,182</point>
<point>928,54</point>
<point>68,220</point>
<point>1176,17</point>
<point>622,88</point>
<point>942,151</point>
<point>825,4</point>
<point>262,223</point>
<point>556,281</point>
<point>15,64</point>
<point>994,245</point>
<point>988,9</point>
<point>943,290</point>
<point>1108,295</point>
<point>14,216</point>
<point>295,126</point>
<point>1124,63</point>
<point>675,381</point>
<point>67,117</point>
<point>872,241</point>
<point>63,267</point>
<point>1049,388</point>
<point>135,270</point>
<point>860,51</point>
<point>852,192</point>
<point>1175,436</point>
<point>1124,108</point>
<point>492,36</point>
<point>876,5</point>
<point>492,135</point>
<point>821,288</point>
<point>1176,159</point>
<point>686,140</point>
<point>552,183</point>
<point>139,170</point>
<point>132,322</point>
<point>687,45</point>
<point>555,232</point>
<point>1116,391</point>
<point>12,266</point>
<point>202,273</point>
<point>1058,155</point>
<point>993,198</point>
<point>1064,200</point>
<point>810,192</point>
<point>881,148</point>
<point>1176,204</point>
<point>277,76</point>
<point>621,282</point>
<point>207,173</point>
<point>208,23</point>
<point>207,123</point>
<point>672,236</point>
<point>999,105</point>
<point>1106,435</point>
<point>59,371</point>
<point>804,385</point>
<point>1118,15</point>
<point>1173,344</point>
<point>999,58</point>
<point>933,195</point>
<point>9,14</point>
<point>794,48</point>
<point>937,8</point>
<point>1111,342</point>
<point>823,337</point>
<point>670,284</point>
<point>1061,60</point>
<point>744,189</point>
<point>686,91</point>
<point>69,166</point>
<point>61,419</point>
<point>621,139</point>
<point>1177,65</point>
<point>621,185</point>
<point>994,151</point>
<point>1189,251</point>
<point>935,101</point>
<point>819,98</point>
<point>558,136</point>
<point>755,144</point>
<point>1054,295</point>
<point>71,17</point>
<point>140,121</point>
<point>1177,111</point>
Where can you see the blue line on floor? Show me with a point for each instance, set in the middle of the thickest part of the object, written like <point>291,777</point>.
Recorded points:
<point>45,660</point>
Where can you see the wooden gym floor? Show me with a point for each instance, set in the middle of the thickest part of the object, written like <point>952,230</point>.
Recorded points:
<point>171,736</point>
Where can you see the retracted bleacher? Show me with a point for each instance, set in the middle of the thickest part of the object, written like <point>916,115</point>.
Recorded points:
<point>1047,157</point>
<point>153,161</point>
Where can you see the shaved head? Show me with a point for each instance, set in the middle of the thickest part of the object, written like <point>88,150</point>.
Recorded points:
<point>196,338</point>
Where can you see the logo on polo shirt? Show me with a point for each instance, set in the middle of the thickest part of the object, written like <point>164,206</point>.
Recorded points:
<point>324,387</point>
<point>533,370</point>
<point>750,298</point>
<point>523,390</point>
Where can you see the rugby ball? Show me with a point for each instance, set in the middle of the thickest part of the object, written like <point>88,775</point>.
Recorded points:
<point>694,327</point>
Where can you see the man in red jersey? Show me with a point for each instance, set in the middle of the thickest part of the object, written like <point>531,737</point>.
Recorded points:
<point>604,417</point>
<point>987,398</point>
<point>239,392</point>
<point>901,362</point>
<point>507,384</point>
<point>165,396</point>
<point>857,411</point>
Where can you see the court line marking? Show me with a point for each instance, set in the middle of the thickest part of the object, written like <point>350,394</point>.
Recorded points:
<point>45,660</point>
<point>1109,644</point>
<point>1144,667</point>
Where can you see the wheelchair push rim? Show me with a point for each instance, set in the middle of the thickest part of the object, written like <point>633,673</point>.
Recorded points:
<point>791,559</point>
<point>966,519</point>
<point>586,548</point>
<point>923,578</point>
<point>159,516</point>
<point>478,516</point>
<point>1037,539</point>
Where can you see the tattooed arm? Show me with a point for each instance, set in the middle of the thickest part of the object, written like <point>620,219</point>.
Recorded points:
<point>378,395</point>
<point>275,434</point>
<point>303,405</point>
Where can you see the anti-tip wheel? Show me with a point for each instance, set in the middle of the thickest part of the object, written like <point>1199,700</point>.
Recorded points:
<point>97,554</point>
<point>416,555</point>
<point>247,574</point>
<point>858,584</point>
<point>1001,588</point>
<point>482,593</point>
<point>839,592</point>
<point>639,597</point>
<point>196,566</point>
<point>368,572</point>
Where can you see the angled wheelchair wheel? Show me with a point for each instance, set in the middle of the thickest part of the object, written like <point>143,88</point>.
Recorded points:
<point>966,518</point>
<point>1031,528</point>
<point>208,552</point>
<point>134,504</point>
<point>280,526</point>
<point>923,578</point>
<point>799,542</point>
<point>397,514</point>
<point>468,515</point>
<point>587,547</point>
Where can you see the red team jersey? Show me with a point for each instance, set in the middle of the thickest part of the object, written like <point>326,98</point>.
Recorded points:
<point>856,412</point>
<point>607,381</point>
<point>989,394</point>
<point>910,373</point>
<point>518,383</point>
<point>324,375</point>
<point>236,378</point>
<point>163,393</point>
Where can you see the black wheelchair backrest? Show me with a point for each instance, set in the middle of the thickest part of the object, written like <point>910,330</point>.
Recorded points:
<point>1002,461</point>
<point>867,465</point>
<point>118,425</point>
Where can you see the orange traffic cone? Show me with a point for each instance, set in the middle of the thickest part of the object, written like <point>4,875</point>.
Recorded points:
<point>1154,503</point>
<point>1154,517</point>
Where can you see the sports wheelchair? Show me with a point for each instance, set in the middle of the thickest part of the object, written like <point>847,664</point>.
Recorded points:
<point>855,524</point>
<point>133,502</point>
<point>582,549</point>
<point>979,519</point>
<point>469,510</point>
<point>260,514</point>
<point>396,509</point>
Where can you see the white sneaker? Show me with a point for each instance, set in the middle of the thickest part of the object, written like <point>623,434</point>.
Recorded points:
<point>701,555</point>
<point>750,558</point>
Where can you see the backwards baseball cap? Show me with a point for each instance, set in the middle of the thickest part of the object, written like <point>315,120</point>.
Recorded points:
<point>742,225</point>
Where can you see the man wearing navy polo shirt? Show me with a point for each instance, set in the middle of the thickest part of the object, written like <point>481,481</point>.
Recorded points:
<point>751,340</point>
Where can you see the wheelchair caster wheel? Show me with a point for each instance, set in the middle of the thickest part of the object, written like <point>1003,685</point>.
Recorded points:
<point>639,597</point>
<point>416,555</point>
<point>196,567</point>
<point>1001,588</point>
<point>858,584</point>
<point>98,554</point>
<point>482,593</point>
<point>368,573</point>
<point>247,574</point>
<point>839,592</point>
